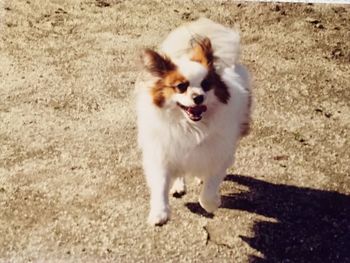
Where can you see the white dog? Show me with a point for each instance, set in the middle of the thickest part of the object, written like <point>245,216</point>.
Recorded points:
<point>193,106</point>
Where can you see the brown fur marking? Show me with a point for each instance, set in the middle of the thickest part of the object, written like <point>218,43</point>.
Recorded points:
<point>162,67</point>
<point>166,87</point>
<point>213,81</point>
<point>203,52</point>
<point>220,89</point>
<point>156,64</point>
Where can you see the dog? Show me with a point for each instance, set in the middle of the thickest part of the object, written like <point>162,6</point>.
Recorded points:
<point>193,105</point>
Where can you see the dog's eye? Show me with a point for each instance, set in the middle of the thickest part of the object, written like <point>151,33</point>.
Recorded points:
<point>206,84</point>
<point>182,87</point>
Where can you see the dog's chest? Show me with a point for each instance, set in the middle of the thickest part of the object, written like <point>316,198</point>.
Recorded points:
<point>192,150</point>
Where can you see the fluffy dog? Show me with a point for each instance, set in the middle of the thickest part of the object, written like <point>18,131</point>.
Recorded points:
<point>193,106</point>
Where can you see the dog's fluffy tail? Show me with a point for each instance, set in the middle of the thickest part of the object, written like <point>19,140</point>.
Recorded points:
<point>225,41</point>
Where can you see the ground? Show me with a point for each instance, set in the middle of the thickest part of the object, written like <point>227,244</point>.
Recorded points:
<point>71,184</point>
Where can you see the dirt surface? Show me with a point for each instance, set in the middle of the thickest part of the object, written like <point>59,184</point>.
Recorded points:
<point>71,184</point>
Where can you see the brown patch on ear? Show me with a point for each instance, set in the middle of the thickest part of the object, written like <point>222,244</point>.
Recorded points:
<point>166,87</point>
<point>203,52</point>
<point>156,64</point>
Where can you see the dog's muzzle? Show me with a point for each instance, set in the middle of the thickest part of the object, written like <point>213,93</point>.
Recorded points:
<point>194,112</point>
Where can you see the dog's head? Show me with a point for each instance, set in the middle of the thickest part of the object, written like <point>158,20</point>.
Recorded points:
<point>189,84</point>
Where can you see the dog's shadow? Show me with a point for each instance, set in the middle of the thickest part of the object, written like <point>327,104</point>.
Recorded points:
<point>312,225</point>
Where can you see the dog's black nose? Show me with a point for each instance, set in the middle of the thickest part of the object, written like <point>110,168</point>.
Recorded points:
<point>198,99</point>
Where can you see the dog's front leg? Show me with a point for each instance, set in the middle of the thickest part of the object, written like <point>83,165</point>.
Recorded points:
<point>158,181</point>
<point>209,197</point>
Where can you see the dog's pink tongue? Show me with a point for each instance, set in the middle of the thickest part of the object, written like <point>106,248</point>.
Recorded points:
<point>197,110</point>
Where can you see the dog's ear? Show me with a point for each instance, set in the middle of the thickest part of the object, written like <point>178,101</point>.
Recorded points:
<point>156,64</point>
<point>202,52</point>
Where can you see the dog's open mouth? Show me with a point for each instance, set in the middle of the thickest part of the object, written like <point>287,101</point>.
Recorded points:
<point>195,112</point>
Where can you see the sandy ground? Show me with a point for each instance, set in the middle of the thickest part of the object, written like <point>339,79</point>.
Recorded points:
<point>71,185</point>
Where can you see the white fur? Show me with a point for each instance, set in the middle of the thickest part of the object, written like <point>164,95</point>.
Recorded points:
<point>172,145</point>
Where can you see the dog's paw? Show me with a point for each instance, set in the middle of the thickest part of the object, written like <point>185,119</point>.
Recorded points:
<point>210,204</point>
<point>178,188</point>
<point>158,218</point>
